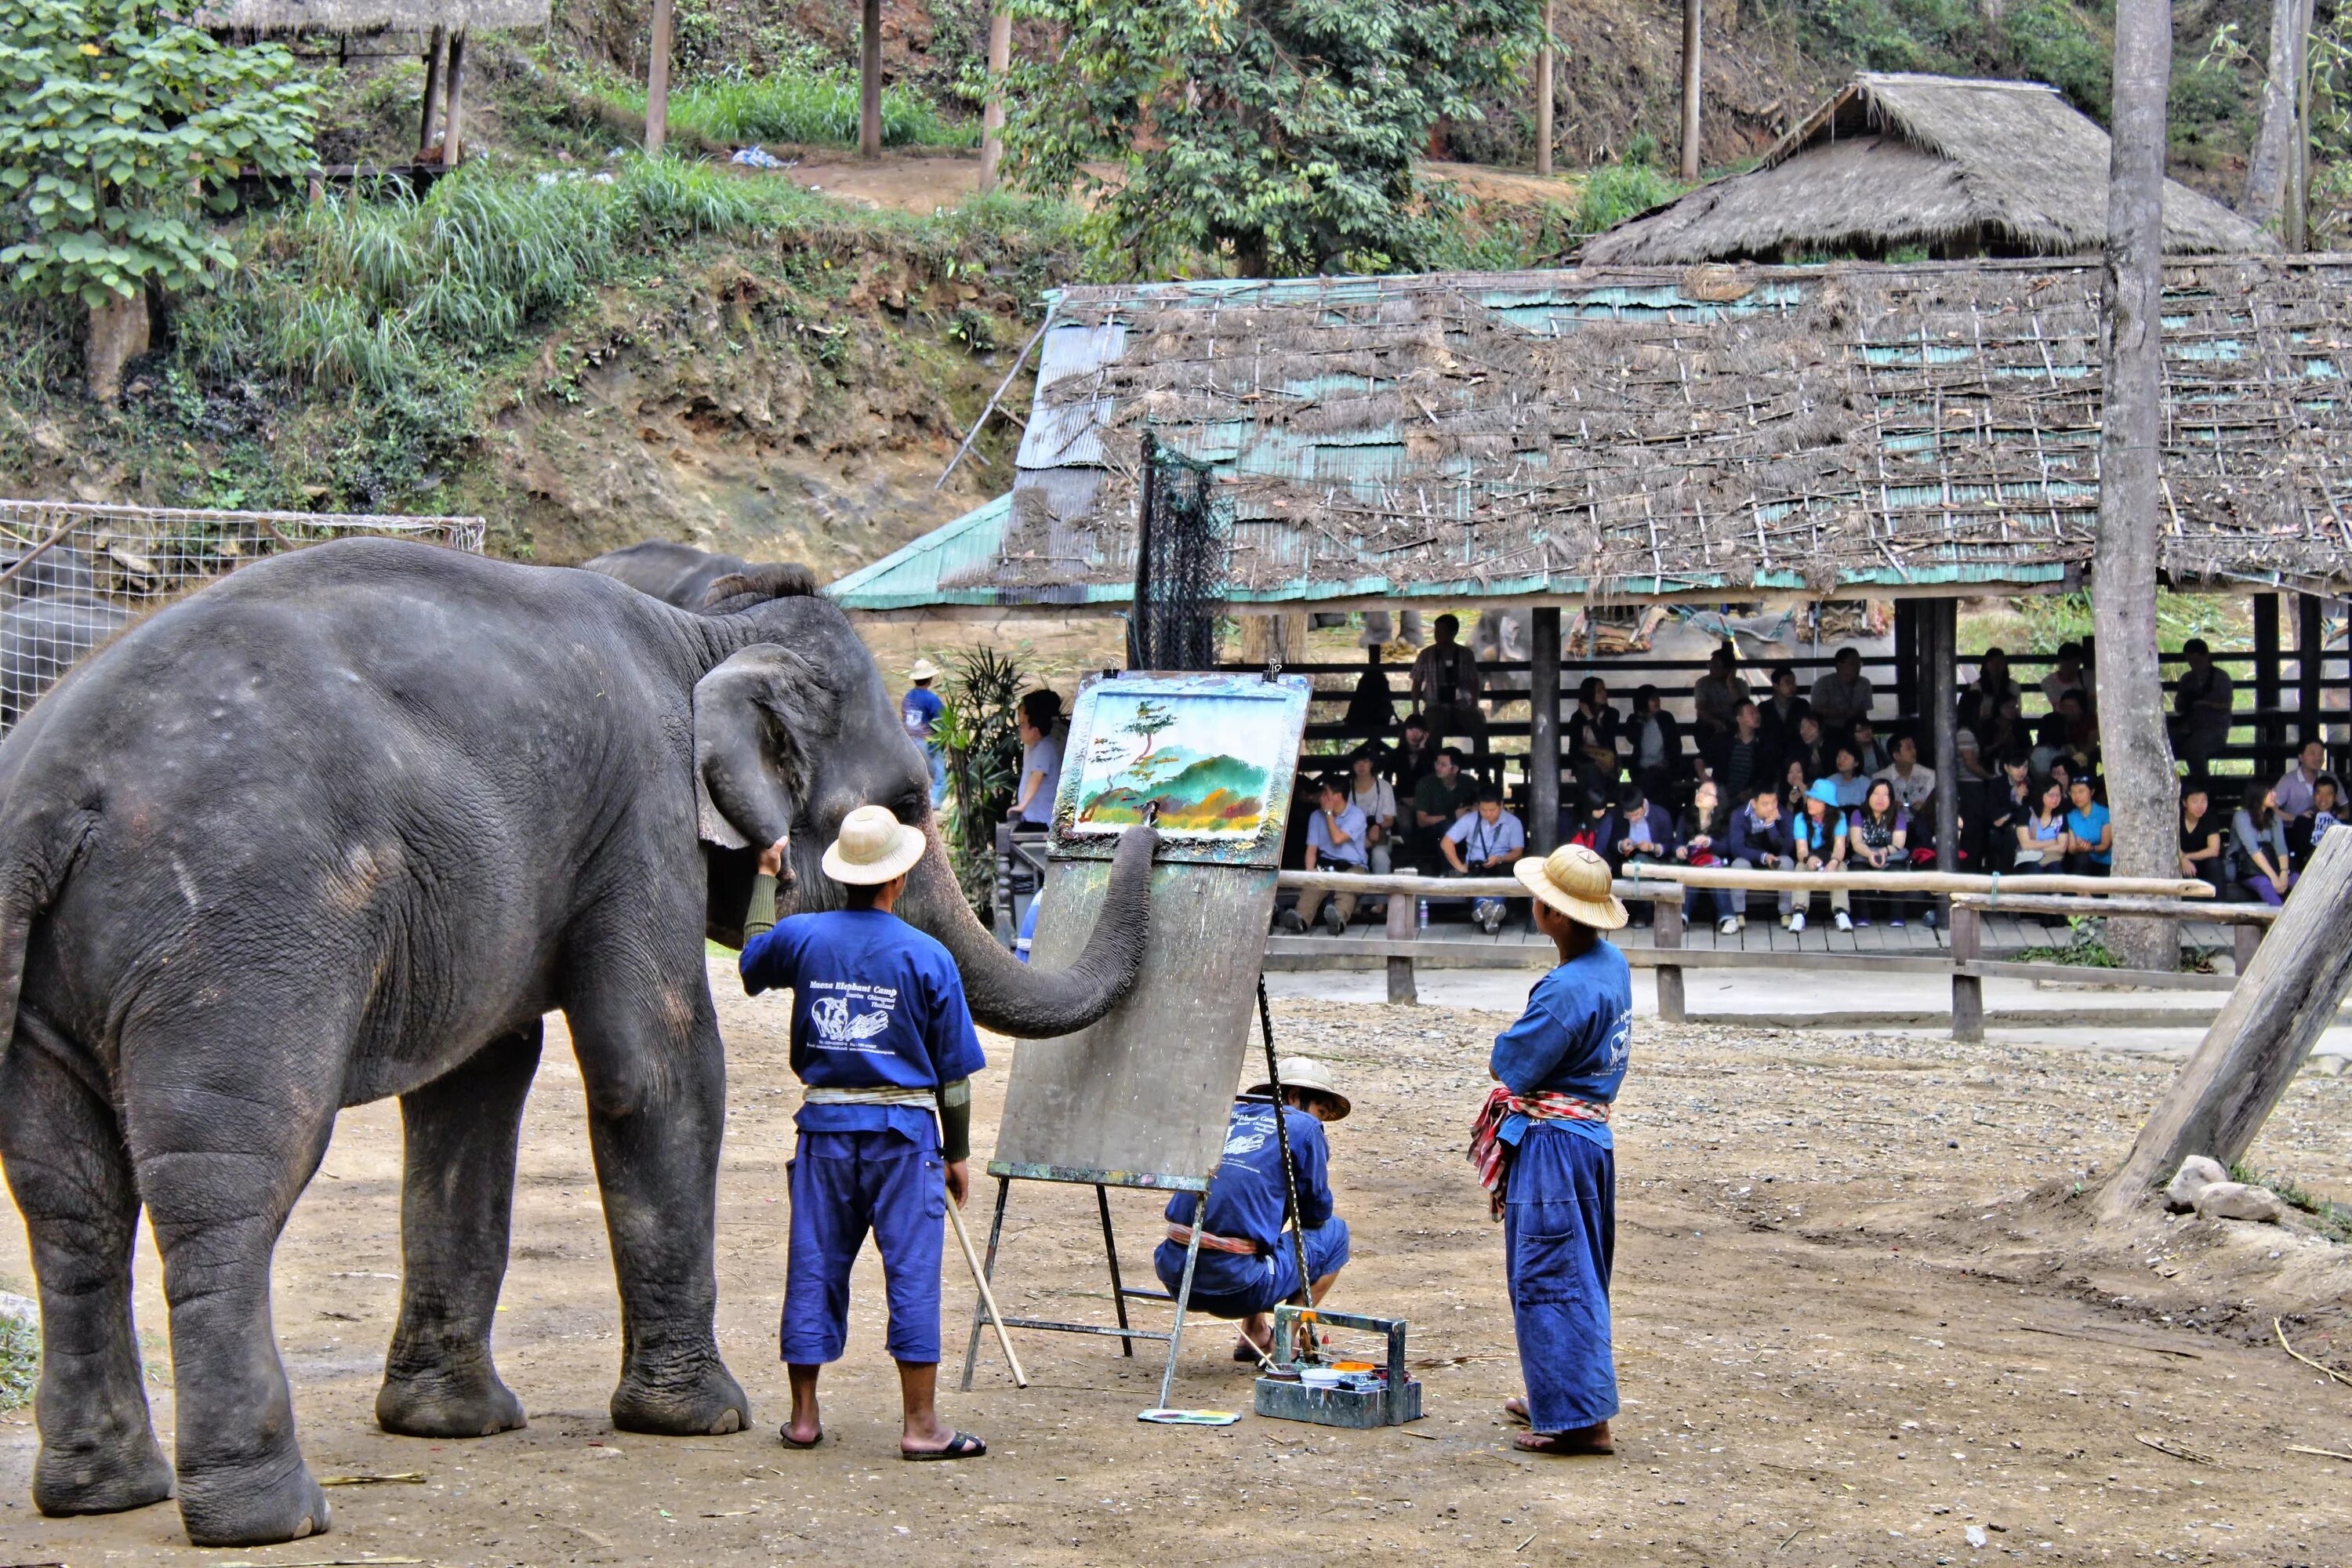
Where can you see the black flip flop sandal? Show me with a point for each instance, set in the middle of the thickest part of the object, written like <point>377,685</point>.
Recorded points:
<point>960,1446</point>
<point>784,1435</point>
<point>1249,1354</point>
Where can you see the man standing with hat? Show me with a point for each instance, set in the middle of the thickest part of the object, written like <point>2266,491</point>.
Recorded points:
<point>1246,1264</point>
<point>884,1044</point>
<point>919,710</point>
<point>1542,1150</point>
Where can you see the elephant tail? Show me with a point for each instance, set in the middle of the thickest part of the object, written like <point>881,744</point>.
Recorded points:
<point>37,852</point>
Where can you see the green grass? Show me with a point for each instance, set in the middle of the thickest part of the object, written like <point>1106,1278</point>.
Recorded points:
<point>20,1361</point>
<point>799,105</point>
<point>1615,192</point>
<point>2334,1219</point>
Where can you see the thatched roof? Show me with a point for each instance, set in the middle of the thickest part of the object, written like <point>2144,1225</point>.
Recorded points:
<point>1660,432</point>
<point>1995,168</point>
<point>277,18</point>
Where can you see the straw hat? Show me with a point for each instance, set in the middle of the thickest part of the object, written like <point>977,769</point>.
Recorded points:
<point>924,670</point>
<point>1306,1073</point>
<point>1575,881</point>
<point>872,847</point>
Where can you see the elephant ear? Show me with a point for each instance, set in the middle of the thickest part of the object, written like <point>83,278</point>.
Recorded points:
<point>753,717</point>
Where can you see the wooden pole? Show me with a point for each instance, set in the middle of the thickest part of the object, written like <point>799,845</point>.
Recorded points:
<point>1968,990</point>
<point>452,123</point>
<point>1691,64</point>
<point>658,82</point>
<point>1659,882</point>
<point>869,81</point>
<point>1543,98</point>
<point>1943,695</point>
<point>1543,730</point>
<point>2010,903</point>
<point>2287,996</point>
<point>2295,221</point>
<point>2268,732</point>
<point>987,1297</point>
<point>2310,636</point>
<point>2143,790</point>
<point>436,59</point>
<point>991,114</point>
<point>1667,935</point>
<point>1906,660</point>
<point>1402,927</point>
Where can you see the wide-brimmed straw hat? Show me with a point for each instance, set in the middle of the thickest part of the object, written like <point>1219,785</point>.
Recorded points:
<point>1575,881</point>
<point>924,670</point>
<point>872,848</point>
<point>1307,1074</point>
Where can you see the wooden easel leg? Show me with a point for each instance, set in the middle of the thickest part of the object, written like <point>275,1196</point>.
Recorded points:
<point>1184,1300</point>
<point>988,1272</point>
<point>1111,1254</point>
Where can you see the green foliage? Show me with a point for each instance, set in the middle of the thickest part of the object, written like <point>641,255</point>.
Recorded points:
<point>2061,42</point>
<point>2054,618</point>
<point>2054,41</point>
<point>978,736</point>
<point>2334,1219</point>
<point>117,123</point>
<point>1272,137</point>
<point>20,1361</point>
<point>2085,946</point>
<point>1615,192</point>
<point>801,102</point>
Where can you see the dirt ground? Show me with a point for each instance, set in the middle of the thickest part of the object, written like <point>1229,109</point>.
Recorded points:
<point>1856,1318</point>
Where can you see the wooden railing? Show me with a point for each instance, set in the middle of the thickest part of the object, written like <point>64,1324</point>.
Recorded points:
<point>2177,899</point>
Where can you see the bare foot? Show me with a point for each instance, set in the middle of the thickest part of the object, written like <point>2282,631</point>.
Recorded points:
<point>1582,1440</point>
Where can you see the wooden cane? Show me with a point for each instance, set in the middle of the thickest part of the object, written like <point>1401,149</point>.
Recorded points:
<point>996,1319</point>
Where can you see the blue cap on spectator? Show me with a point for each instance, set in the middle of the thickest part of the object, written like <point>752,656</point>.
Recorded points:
<point>1824,791</point>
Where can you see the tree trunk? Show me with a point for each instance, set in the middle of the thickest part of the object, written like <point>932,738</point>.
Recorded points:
<point>1543,95</point>
<point>1691,48</point>
<point>991,114</point>
<point>1543,731</point>
<point>2266,169</point>
<point>2294,223</point>
<point>2287,996</point>
<point>2142,791</point>
<point>658,82</point>
<point>118,334</point>
<point>869,79</point>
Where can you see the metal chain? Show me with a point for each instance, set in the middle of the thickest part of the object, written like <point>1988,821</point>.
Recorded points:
<point>1290,1166</point>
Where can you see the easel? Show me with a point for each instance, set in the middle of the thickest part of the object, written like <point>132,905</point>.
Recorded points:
<point>1121,1293</point>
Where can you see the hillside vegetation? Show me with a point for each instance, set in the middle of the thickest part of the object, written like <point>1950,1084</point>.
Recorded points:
<point>587,346</point>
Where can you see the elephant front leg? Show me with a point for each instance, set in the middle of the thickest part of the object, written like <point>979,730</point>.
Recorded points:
<point>72,1182</point>
<point>456,1212</point>
<point>657,1092</point>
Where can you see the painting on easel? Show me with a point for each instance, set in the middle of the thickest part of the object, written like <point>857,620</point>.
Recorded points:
<point>1208,758</point>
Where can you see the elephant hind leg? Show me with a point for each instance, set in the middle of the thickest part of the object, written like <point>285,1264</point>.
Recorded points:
<point>456,1211</point>
<point>73,1183</point>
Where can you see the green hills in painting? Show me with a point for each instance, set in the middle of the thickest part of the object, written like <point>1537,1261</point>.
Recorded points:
<point>1205,795</point>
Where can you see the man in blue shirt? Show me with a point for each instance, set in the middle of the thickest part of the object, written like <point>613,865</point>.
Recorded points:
<point>919,710</point>
<point>1542,1149</point>
<point>1336,835</point>
<point>1246,1264</point>
<point>1484,843</point>
<point>885,1047</point>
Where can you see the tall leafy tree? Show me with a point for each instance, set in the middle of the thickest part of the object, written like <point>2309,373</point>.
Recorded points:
<point>122,125</point>
<point>1276,137</point>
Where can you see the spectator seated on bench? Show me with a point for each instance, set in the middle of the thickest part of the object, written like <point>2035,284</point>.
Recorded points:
<point>1636,834</point>
<point>2328,810</point>
<point>2264,868</point>
<point>2204,850</point>
<point>1817,838</point>
<point>1337,835</point>
<point>2090,842</point>
<point>1877,838</point>
<point>1485,842</point>
<point>1759,842</point>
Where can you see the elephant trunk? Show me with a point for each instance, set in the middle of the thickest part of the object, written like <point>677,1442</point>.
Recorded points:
<point>1010,996</point>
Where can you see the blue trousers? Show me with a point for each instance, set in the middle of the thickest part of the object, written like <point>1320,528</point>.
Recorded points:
<point>843,1184</point>
<point>1559,1237</point>
<point>1227,1285</point>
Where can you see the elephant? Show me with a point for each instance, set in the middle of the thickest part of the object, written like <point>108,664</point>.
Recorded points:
<point>41,638</point>
<point>675,573</point>
<point>346,824</point>
<point>59,569</point>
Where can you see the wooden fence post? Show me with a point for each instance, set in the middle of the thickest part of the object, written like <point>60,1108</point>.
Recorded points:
<point>2285,998</point>
<point>2243,940</point>
<point>1665,936</point>
<point>1401,928</point>
<point>1968,990</point>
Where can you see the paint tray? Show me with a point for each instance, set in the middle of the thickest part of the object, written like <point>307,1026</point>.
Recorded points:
<point>1357,1394</point>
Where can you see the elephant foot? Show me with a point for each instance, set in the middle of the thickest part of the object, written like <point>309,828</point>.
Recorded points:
<point>226,1508</point>
<point>443,1403</point>
<point>70,1480</point>
<point>708,1405</point>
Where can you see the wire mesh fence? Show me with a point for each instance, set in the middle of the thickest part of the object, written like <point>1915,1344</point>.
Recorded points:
<point>1182,536</point>
<point>73,574</point>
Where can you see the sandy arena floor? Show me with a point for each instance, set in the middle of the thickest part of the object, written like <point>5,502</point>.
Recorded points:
<point>1857,1320</point>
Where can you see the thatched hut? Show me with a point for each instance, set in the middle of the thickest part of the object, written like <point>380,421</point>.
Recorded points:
<point>1957,167</point>
<point>440,26</point>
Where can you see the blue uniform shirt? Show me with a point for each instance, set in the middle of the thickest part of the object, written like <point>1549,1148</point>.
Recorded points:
<point>1246,1197</point>
<point>1572,1039</point>
<point>876,1003</point>
<point>919,710</point>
